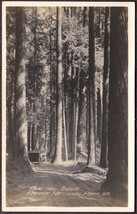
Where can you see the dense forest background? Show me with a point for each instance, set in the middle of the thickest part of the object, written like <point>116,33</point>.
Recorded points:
<point>67,88</point>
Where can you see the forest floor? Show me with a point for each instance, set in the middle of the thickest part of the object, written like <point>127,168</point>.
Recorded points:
<point>72,185</point>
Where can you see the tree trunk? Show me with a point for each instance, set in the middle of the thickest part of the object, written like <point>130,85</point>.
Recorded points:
<point>37,134</point>
<point>65,105</point>
<point>81,107</point>
<point>51,101</point>
<point>76,131</point>
<point>84,16</point>
<point>54,110</point>
<point>35,78</point>
<point>91,143</point>
<point>65,135</point>
<point>73,127</point>
<point>117,177</point>
<point>68,11</point>
<point>72,107</point>
<point>87,121</point>
<point>21,120</point>
<point>10,120</point>
<point>58,157</point>
<point>99,30</point>
<point>28,135</point>
<point>35,54</point>
<point>104,143</point>
<point>76,116</point>
<point>99,115</point>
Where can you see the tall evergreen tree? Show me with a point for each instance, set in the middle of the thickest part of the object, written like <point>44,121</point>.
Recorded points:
<point>58,157</point>
<point>104,142</point>
<point>10,67</point>
<point>117,179</point>
<point>20,84</point>
<point>91,138</point>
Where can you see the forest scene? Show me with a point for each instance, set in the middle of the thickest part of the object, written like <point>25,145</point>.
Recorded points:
<point>67,106</point>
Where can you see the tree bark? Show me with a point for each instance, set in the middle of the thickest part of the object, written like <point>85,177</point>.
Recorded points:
<point>99,117</point>
<point>76,115</point>
<point>35,54</point>
<point>73,127</point>
<point>33,137</point>
<point>117,177</point>
<point>21,120</point>
<point>35,79</point>
<point>28,136</point>
<point>84,16</point>
<point>10,120</point>
<point>51,100</point>
<point>104,143</point>
<point>58,157</point>
<point>72,107</point>
<point>91,140</point>
<point>65,134</point>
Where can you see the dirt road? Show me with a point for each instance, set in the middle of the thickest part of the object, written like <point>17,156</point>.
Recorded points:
<point>63,186</point>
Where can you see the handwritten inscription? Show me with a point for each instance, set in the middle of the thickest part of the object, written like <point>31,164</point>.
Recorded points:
<point>63,191</point>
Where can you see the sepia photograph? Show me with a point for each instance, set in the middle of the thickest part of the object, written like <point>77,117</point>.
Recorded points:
<point>68,106</point>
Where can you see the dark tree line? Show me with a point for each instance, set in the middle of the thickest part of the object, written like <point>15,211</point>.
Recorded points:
<point>117,177</point>
<point>67,87</point>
